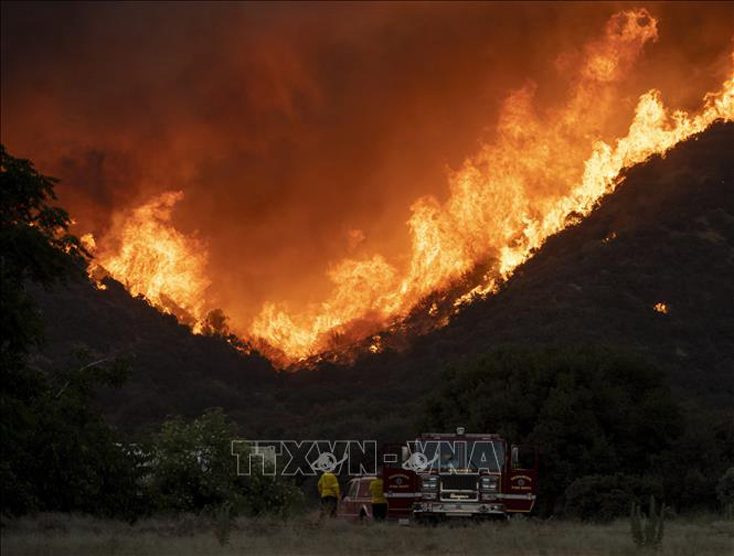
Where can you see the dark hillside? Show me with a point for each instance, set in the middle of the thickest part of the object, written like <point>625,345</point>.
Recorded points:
<point>173,370</point>
<point>666,235</point>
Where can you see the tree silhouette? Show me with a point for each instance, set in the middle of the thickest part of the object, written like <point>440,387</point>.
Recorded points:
<point>57,452</point>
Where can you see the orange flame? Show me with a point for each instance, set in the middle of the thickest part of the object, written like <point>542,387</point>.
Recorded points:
<point>542,171</point>
<point>157,261</point>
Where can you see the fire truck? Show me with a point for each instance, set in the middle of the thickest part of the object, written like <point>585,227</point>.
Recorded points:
<point>439,476</point>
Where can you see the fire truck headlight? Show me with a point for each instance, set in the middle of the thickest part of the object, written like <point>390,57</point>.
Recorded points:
<point>430,483</point>
<point>490,484</point>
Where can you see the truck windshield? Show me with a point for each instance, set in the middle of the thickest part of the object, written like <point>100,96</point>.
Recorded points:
<point>460,455</point>
<point>486,455</point>
<point>452,456</point>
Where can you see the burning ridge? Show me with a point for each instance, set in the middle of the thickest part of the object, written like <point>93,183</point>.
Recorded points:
<point>544,170</point>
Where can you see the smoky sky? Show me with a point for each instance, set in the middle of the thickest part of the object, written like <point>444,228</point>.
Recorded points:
<point>287,125</point>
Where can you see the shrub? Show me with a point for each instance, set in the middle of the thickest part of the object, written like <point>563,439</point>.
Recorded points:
<point>192,470</point>
<point>725,488</point>
<point>647,532</point>
<point>589,410</point>
<point>602,498</point>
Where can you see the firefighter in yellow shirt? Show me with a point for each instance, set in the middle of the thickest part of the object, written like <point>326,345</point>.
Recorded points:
<point>329,493</point>
<point>379,502</point>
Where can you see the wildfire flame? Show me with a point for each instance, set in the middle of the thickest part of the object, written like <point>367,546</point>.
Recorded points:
<point>157,261</point>
<point>513,194</point>
<point>543,170</point>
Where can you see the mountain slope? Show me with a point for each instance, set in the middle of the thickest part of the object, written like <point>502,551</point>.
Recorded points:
<point>665,236</point>
<point>173,370</point>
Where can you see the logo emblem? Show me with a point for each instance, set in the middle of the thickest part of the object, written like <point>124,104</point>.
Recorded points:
<point>326,462</point>
<point>418,462</point>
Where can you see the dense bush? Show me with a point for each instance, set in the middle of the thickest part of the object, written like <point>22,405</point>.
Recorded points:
<point>603,498</point>
<point>691,466</point>
<point>590,411</point>
<point>191,469</point>
<point>597,415</point>
<point>725,487</point>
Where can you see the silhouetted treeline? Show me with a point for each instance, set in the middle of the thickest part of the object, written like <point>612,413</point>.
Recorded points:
<point>607,428</point>
<point>58,452</point>
<point>665,236</point>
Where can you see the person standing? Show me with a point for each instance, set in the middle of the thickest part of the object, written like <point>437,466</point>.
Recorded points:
<point>329,493</point>
<point>379,502</point>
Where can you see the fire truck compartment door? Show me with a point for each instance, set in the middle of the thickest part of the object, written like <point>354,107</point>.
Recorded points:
<point>521,484</point>
<point>401,485</point>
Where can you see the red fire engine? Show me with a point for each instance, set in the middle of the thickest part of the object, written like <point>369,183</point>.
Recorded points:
<point>459,475</point>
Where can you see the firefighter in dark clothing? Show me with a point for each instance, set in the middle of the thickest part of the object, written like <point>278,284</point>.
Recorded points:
<point>329,493</point>
<point>379,502</point>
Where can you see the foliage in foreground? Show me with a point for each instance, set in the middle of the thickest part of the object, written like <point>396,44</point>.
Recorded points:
<point>725,488</point>
<point>647,531</point>
<point>191,468</point>
<point>58,454</point>
<point>608,431</point>
<point>603,498</point>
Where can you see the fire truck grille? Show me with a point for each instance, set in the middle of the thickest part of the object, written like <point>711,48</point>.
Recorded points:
<point>458,482</point>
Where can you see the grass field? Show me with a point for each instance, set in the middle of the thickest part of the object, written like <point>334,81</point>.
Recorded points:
<point>76,535</point>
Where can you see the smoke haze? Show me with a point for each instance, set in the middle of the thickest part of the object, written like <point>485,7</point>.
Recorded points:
<point>301,134</point>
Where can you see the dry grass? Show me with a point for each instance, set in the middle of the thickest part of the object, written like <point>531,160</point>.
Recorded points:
<point>75,535</point>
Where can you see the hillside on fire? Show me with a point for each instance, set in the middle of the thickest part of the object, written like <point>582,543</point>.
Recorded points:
<point>331,278</point>
<point>648,272</point>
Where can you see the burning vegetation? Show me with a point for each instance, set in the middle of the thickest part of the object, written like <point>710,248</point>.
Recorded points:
<point>153,259</point>
<point>545,169</point>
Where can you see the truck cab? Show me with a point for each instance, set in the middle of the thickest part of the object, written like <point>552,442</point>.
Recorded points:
<point>356,504</point>
<point>442,475</point>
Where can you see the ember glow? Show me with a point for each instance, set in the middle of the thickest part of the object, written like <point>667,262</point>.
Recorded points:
<point>550,153</point>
